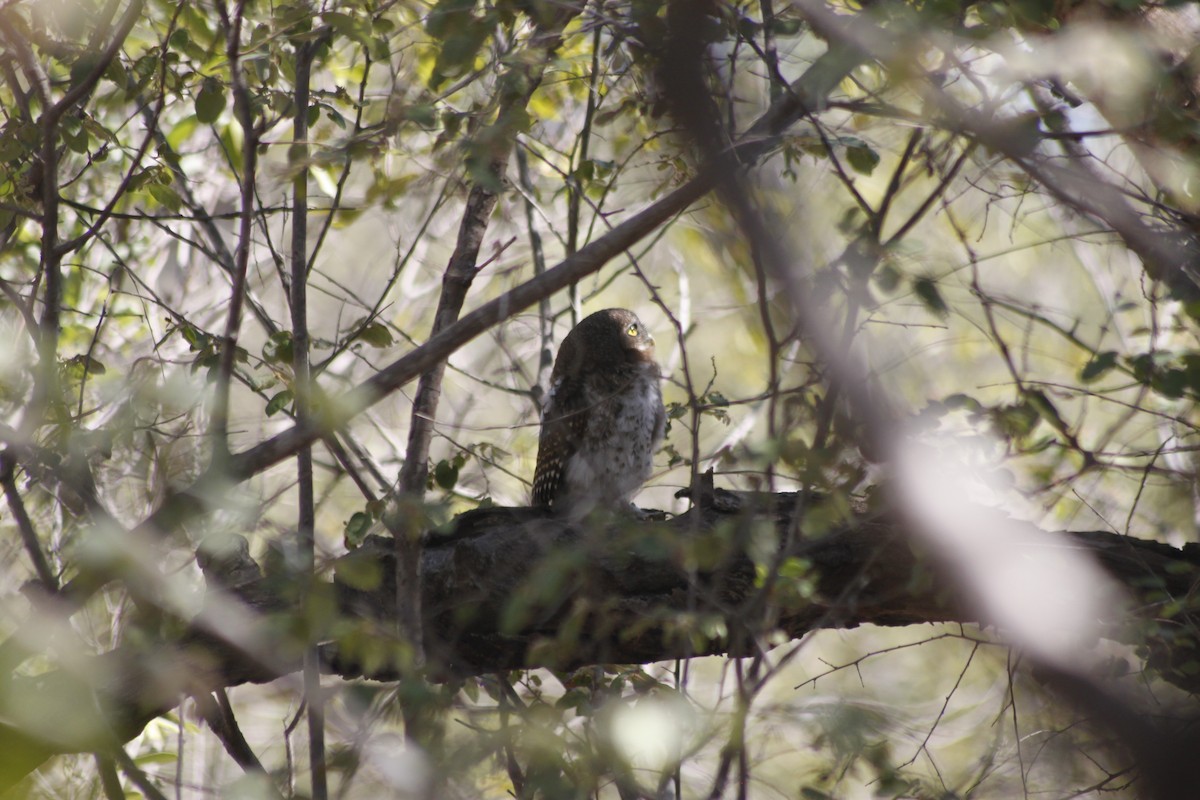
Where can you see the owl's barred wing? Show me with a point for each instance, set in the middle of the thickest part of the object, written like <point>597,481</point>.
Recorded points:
<point>555,447</point>
<point>562,431</point>
<point>660,423</point>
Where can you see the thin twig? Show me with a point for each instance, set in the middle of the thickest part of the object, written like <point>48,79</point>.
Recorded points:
<point>244,114</point>
<point>218,714</point>
<point>140,779</point>
<point>545,323</point>
<point>303,393</point>
<point>29,537</point>
<point>110,781</point>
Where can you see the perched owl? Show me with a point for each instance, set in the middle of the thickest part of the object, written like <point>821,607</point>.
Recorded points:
<point>603,417</point>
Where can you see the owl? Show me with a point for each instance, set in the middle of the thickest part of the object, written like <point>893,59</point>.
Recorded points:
<point>603,418</point>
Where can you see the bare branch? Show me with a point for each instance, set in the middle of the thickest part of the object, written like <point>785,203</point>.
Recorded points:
<point>303,393</point>
<point>244,113</point>
<point>29,536</point>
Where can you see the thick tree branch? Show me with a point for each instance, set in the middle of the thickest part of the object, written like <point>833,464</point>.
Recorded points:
<point>498,596</point>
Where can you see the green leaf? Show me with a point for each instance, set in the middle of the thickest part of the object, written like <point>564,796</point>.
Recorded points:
<point>459,49</point>
<point>74,135</point>
<point>156,758</point>
<point>422,114</point>
<point>927,292</point>
<point>851,220</point>
<point>1170,382</point>
<point>165,196</point>
<point>85,365</point>
<point>335,116</point>
<point>795,568</point>
<point>376,334</point>
<point>98,131</point>
<point>1143,367</point>
<point>279,402</point>
<point>194,337</point>
<point>447,15</point>
<point>1098,367</point>
<point>115,72</point>
<point>965,401</point>
<point>862,158</point>
<point>445,474</point>
<point>210,101</point>
<point>887,277</point>
<point>1046,409</point>
<point>1016,421</point>
<point>10,147</point>
<point>584,172</point>
<point>278,348</point>
<point>786,27</point>
<point>357,527</point>
<point>350,27</point>
<point>1191,371</point>
<point>606,116</point>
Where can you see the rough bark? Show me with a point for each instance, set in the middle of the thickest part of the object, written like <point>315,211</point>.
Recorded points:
<point>866,571</point>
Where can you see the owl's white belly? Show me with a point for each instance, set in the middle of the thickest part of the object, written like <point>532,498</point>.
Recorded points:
<point>617,454</point>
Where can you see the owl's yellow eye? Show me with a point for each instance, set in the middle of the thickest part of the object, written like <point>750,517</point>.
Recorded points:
<point>632,330</point>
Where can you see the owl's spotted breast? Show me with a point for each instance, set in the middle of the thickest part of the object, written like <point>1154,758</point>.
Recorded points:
<point>603,418</point>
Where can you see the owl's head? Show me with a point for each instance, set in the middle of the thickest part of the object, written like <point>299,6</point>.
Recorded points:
<point>612,336</point>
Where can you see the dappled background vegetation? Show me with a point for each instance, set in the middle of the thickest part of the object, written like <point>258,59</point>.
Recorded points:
<point>992,204</point>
